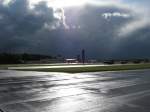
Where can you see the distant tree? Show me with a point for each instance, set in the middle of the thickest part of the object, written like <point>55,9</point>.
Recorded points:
<point>136,61</point>
<point>109,62</point>
<point>7,58</point>
<point>124,62</point>
<point>146,60</point>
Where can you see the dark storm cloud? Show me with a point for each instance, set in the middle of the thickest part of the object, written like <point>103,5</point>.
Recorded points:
<point>136,45</point>
<point>23,29</point>
<point>36,30</point>
<point>91,31</point>
<point>18,22</point>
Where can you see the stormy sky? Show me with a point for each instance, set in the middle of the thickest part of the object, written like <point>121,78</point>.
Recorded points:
<point>104,28</point>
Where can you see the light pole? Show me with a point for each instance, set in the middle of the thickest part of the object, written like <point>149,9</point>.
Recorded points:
<point>83,56</point>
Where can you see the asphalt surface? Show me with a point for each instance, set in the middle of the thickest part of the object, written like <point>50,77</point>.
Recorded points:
<point>85,92</point>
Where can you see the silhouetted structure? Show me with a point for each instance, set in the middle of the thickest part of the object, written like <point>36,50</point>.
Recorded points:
<point>71,61</point>
<point>83,56</point>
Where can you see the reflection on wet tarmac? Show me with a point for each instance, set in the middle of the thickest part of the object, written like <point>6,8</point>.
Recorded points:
<point>85,92</point>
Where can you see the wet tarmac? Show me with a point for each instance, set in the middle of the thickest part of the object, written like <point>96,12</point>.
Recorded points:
<point>82,92</point>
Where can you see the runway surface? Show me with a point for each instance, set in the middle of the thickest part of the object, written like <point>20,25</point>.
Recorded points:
<point>83,92</point>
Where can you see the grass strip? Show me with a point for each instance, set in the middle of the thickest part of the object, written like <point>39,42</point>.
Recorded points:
<point>94,69</point>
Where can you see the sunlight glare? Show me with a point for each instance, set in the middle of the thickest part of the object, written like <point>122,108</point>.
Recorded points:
<point>66,3</point>
<point>60,3</point>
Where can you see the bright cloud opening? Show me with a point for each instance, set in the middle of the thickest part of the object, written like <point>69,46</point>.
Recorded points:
<point>70,3</point>
<point>60,3</point>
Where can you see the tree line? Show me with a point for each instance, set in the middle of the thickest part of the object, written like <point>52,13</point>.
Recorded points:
<point>8,58</point>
